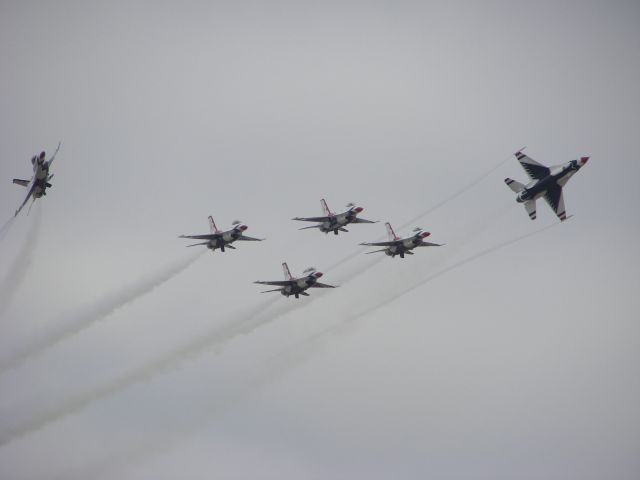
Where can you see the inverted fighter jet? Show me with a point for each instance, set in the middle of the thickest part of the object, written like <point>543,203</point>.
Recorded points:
<point>402,246</point>
<point>296,286</point>
<point>332,222</point>
<point>37,186</point>
<point>219,239</point>
<point>545,182</point>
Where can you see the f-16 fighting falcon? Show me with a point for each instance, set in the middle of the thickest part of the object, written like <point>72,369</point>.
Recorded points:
<point>296,286</point>
<point>545,182</point>
<point>219,239</point>
<point>402,246</point>
<point>39,181</point>
<point>332,222</point>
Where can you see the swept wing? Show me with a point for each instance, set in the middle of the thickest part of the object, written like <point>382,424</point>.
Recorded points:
<point>555,199</point>
<point>311,219</point>
<point>278,283</point>
<point>535,170</point>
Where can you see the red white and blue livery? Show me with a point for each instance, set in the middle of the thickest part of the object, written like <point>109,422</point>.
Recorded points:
<point>39,181</point>
<point>402,246</point>
<point>335,222</point>
<point>296,286</point>
<point>546,182</point>
<point>219,239</point>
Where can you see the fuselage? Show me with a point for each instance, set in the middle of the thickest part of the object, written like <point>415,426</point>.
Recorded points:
<point>538,188</point>
<point>299,285</point>
<point>41,177</point>
<point>404,245</point>
<point>226,238</point>
<point>340,220</point>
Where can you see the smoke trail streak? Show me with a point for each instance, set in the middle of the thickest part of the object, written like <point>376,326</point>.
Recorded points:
<point>59,331</point>
<point>5,228</point>
<point>14,278</point>
<point>269,372</point>
<point>242,324</point>
<point>439,273</point>
<point>431,209</point>
<point>217,338</point>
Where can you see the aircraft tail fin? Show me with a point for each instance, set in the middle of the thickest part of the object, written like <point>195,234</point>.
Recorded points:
<point>287,273</point>
<point>530,207</point>
<point>392,235</point>
<point>517,187</point>
<point>325,208</point>
<point>212,225</point>
<point>24,183</point>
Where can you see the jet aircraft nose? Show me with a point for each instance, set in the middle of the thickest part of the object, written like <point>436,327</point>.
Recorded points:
<point>317,274</point>
<point>583,161</point>
<point>243,227</point>
<point>425,234</point>
<point>358,209</point>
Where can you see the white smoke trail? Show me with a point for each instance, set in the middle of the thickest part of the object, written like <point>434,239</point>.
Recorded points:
<point>241,324</point>
<point>256,317</point>
<point>5,227</point>
<point>216,340</point>
<point>58,331</point>
<point>269,372</point>
<point>16,274</point>
<point>445,270</point>
<point>431,209</point>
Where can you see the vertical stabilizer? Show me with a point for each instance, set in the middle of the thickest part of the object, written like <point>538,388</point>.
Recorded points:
<point>287,273</point>
<point>392,235</point>
<point>325,208</point>
<point>212,225</point>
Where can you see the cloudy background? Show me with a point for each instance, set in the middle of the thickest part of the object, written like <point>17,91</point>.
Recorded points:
<point>162,362</point>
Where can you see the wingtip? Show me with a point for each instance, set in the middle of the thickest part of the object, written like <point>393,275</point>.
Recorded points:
<point>520,150</point>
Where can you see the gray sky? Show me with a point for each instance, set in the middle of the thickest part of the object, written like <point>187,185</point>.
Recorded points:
<point>522,363</point>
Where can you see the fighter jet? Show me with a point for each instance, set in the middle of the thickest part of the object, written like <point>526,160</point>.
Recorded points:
<point>332,222</point>
<point>545,182</point>
<point>219,239</point>
<point>296,286</point>
<point>39,181</point>
<point>402,246</point>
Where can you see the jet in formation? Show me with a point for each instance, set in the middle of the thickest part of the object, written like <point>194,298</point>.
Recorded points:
<point>219,239</point>
<point>296,286</point>
<point>37,186</point>
<point>402,246</point>
<point>545,182</point>
<point>332,222</point>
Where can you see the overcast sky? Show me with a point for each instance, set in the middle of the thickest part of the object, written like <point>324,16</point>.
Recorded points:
<point>523,363</point>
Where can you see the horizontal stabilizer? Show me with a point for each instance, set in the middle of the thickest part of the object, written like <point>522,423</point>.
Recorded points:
<point>513,185</point>
<point>363,220</point>
<point>196,244</point>
<point>530,207</point>
<point>274,290</point>
<point>24,183</point>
